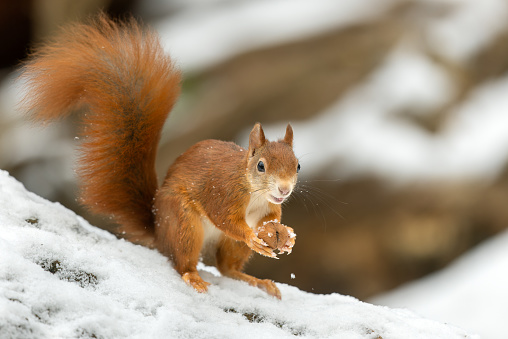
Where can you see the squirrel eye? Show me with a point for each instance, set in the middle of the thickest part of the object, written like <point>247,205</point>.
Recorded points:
<point>261,166</point>
<point>298,168</point>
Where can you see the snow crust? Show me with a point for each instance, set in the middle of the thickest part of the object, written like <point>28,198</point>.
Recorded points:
<point>60,277</point>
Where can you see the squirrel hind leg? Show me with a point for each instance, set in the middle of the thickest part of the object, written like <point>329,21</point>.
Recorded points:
<point>232,257</point>
<point>179,236</point>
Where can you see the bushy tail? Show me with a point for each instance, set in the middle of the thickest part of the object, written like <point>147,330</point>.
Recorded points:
<point>117,72</point>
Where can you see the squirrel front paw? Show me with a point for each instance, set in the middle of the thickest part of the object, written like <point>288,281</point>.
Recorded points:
<point>260,246</point>
<point>277,236</point>
<point>288,246</point>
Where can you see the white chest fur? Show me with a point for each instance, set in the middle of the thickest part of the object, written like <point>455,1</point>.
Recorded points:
<point>211,236</point>
<point>258,208</point>
<point>210,233</point>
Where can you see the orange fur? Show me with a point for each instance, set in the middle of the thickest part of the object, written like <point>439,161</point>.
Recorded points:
<point>120,74</point>
<point>215,194</point>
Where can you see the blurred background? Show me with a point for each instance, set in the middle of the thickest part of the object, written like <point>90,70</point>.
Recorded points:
<point>400,115</point>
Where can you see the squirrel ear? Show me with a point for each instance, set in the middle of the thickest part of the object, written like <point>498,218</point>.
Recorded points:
<point>256,138</point>
<point>288,138</point>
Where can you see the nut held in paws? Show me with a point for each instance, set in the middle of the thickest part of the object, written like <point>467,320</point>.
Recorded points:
<point>274,234</point>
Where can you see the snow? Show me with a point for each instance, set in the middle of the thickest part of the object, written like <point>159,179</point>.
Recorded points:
<point>469,27</point>
<point>363,135</point>
<point>21,143</point>
<point>470,293</point>
<point>201,36</point>
<point>104,287</point>
<point>359,132</point>
<point>61,277</point>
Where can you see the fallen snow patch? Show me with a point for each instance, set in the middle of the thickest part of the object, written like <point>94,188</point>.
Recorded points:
<point>63,278</point>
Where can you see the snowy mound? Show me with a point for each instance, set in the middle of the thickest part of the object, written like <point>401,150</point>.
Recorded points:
<point>62,278</point>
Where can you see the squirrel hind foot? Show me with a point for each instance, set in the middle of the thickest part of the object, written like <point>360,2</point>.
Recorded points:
<point>193,279</point>
<point>266,285</point>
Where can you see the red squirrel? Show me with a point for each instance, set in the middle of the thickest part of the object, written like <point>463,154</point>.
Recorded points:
<point>214,196</point>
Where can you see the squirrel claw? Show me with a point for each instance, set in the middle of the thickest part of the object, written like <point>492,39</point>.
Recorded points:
<point>288,247</point>
<point>193,279</point>
<point>258,245</point>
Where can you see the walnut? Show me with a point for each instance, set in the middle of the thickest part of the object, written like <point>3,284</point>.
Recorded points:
<point>274,234</point>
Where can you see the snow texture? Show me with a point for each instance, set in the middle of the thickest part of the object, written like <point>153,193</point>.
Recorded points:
<point>63,278</point>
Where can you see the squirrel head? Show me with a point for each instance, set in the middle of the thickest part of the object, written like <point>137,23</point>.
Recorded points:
<point>272,165</point>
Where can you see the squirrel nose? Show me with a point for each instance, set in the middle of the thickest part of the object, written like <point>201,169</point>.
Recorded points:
<point>284,191</point>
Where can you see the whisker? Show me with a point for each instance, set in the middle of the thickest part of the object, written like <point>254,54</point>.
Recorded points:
<point>323,193</point>
<point>319,180</point>
<point>305,197</point>
<point>326,199</point>
<point>299,194</point>
<point>317,198</point>
<point>260,192</point>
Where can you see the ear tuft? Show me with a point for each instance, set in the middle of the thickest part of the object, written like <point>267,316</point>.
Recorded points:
<point>256,138</point>
<point>288,138</point>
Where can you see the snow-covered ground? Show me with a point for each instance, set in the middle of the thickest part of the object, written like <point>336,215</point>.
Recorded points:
<point>471,293</point>
<point>62,278</point>
<point>109,288</point>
